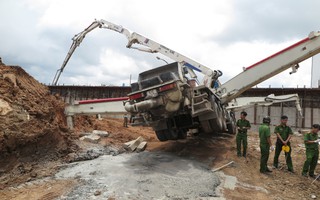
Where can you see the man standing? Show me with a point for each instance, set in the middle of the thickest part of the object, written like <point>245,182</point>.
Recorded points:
<point>265,144</point>
<point>243,125</point>
<point>125,120</point>
<point>312,151</point>
<point>284,134</point>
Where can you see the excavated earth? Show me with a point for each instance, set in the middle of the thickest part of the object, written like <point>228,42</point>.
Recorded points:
<point>33,128</point>
<point>40,158</point>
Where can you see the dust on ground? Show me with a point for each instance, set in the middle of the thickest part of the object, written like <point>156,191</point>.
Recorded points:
<point>35,145</point>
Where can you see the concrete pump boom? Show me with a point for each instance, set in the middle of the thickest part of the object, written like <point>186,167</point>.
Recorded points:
<point>150,46</point>
<point>77,39</point>
<point>269,67</point>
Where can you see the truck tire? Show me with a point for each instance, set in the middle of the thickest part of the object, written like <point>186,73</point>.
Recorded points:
<point>167,134</point>
<point>231,126</point>
<point>216,123</point>
<point>161,135</point>
<point>182,134</point>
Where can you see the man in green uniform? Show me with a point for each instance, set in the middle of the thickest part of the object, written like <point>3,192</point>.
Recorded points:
<point>243,125</point>
<point>265,144</point>
<point>312,151</point>
<point>284,134</point>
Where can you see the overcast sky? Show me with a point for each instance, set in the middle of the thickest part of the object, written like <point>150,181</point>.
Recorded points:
<point>226,35</point>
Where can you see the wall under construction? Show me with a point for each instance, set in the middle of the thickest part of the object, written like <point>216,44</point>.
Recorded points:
<point>69,94</point>
<point>309,100</point>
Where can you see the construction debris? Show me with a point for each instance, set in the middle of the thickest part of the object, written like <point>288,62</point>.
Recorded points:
<point>142,146</point>
<point>100,133</point>
<point>223,166</point>
<point>93,138</point>
<point>138,144</point>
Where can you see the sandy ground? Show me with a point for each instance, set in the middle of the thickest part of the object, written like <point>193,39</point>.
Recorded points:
<point>42,159</point>
<point>118,174</point>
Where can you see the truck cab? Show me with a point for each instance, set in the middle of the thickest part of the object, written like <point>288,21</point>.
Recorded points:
<point>161,99</point>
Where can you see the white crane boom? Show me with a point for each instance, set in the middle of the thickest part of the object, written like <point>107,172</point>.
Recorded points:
<point>150,46</point>
<point>241,103</point>
<point>269,67</point>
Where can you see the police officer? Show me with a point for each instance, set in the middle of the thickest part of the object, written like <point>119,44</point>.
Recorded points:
<point>312,151</point>
<point>284,134</point>
<point>243,125</point>
<point>265,144</point>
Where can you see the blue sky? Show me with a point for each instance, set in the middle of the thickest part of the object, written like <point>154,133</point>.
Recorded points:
<point>226,35</point>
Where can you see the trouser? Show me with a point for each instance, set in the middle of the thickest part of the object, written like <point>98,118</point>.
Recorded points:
<point>264,148</point>
<point>242,138</point>
<point>125,122</point>
<point>287,155</point>
<point>311,161</point>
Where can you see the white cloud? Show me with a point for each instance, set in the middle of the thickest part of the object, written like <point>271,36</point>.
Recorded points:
<point>225,35</point>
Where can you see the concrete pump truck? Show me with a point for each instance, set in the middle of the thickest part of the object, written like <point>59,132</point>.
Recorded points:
<point>172,100</point>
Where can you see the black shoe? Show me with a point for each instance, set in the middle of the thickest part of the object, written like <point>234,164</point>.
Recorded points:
<point>267,171</point>
<point>312,175</point>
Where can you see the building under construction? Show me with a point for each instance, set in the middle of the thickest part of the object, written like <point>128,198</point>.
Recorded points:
<point>309,100</point>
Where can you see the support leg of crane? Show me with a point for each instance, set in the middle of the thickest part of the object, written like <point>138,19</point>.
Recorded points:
<point>217,122</point>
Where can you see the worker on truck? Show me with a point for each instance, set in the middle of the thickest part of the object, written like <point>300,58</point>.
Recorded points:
<point>312,151</point>
<point>284,134</point>
<point>242,138</point>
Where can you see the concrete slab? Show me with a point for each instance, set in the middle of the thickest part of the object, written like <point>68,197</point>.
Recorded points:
<point>91,138</point>
<point>135,143</point>
<point>142,146</point>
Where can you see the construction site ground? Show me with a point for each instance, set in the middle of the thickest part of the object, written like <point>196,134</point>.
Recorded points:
<point>42,159</point>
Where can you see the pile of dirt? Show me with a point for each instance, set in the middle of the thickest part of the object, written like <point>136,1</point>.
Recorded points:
<point>32,122</point>
<point>118,133</point>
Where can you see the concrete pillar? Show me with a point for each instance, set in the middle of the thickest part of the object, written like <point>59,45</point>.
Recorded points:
<point>70,122</point>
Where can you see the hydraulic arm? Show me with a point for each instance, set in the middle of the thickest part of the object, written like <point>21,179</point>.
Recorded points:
<point>269,67</point>
<point>150,46</point>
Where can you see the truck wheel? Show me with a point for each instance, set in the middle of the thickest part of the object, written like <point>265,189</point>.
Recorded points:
<point>182,134</point>
<point>231,126</point>
<point>172,134</point>
<point>161,135</point>
<point>217,123</point>
<point>206,126</point>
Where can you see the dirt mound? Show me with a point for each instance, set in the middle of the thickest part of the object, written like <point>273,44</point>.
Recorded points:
<point>118,133</point>
<point>32,121</point>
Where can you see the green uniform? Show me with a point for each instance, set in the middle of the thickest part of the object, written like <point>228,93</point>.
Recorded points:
<point>312,153</point>
<point>242,136</point>
<point>264,134</point>
<point>284,131</point>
